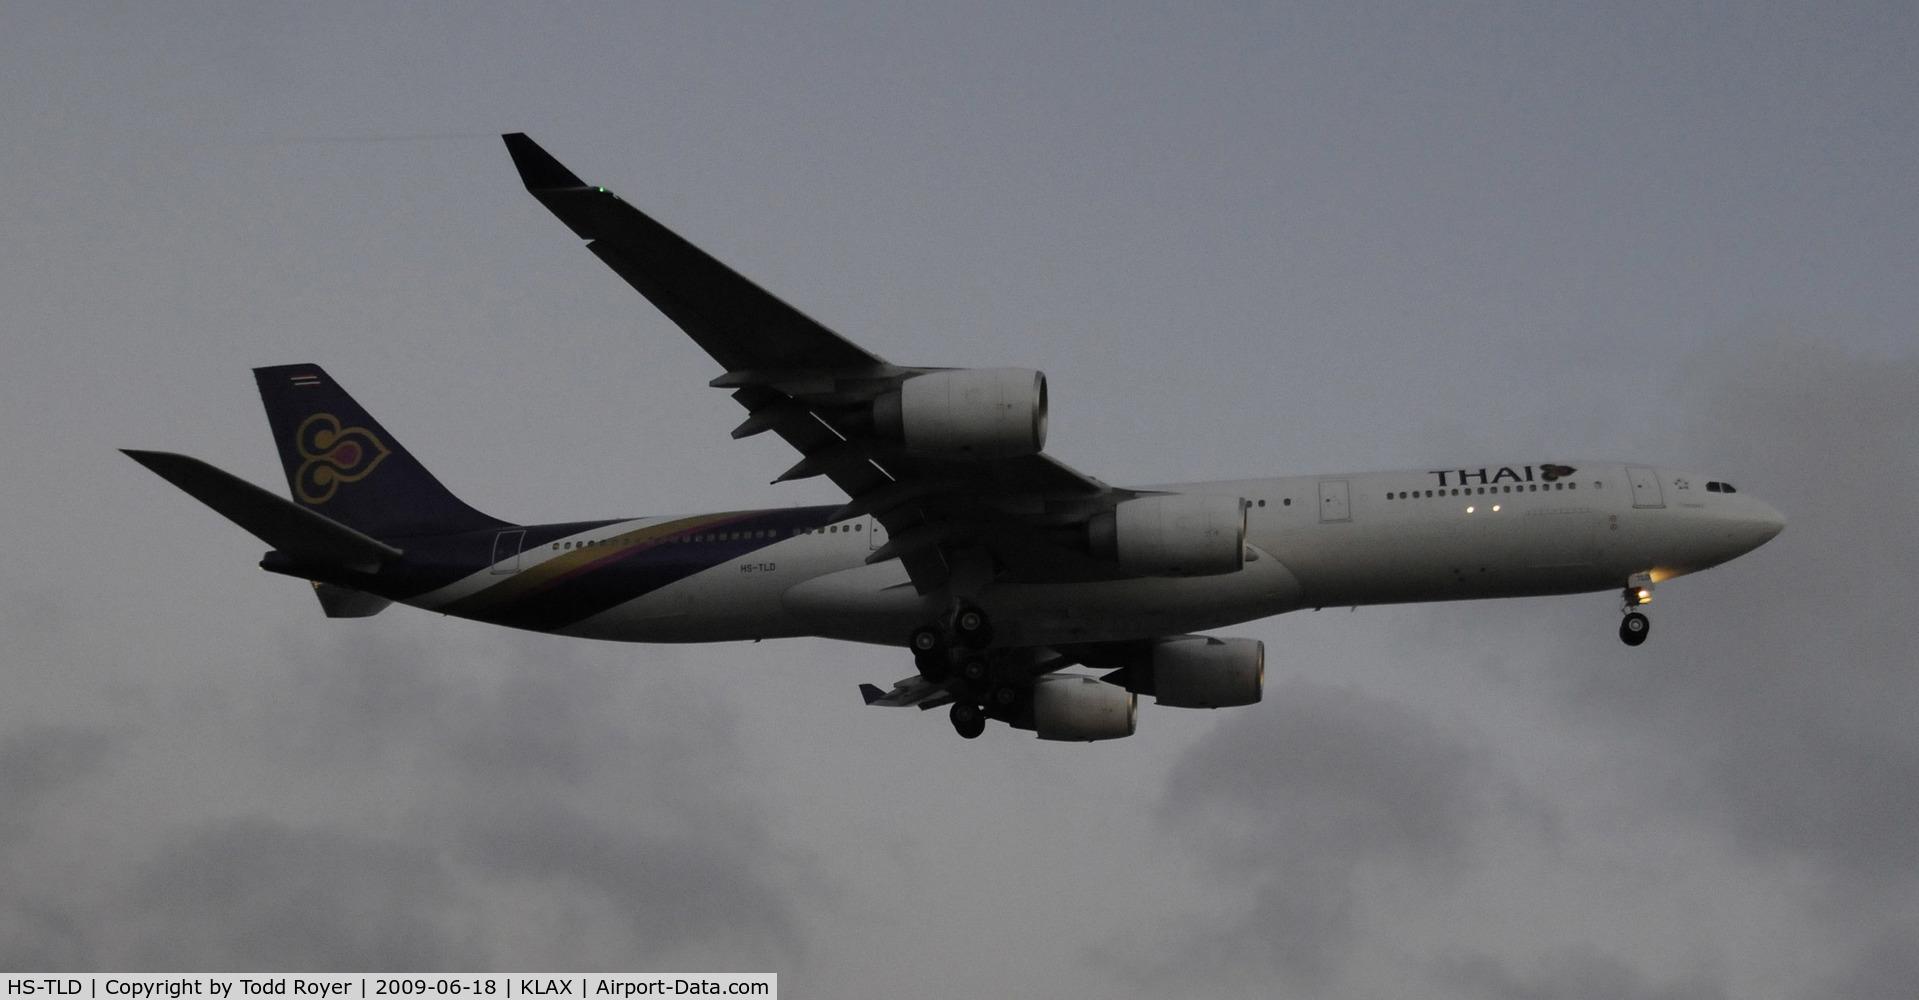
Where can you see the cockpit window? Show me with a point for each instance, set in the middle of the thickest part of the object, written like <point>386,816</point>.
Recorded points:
<point>1720,488</point>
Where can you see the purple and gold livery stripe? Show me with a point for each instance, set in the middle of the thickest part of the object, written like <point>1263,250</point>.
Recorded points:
<point>600,573</point>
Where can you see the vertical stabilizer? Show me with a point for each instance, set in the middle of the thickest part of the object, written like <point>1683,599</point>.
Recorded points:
<point>341,463</point>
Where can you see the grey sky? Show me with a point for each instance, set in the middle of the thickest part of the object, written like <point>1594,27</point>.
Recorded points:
<point>1239,240</point>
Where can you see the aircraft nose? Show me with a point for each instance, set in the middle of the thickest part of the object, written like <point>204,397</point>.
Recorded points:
<point>1759,523</point>
<point>1771,522</point>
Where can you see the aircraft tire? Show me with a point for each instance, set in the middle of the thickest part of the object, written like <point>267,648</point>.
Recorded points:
<point>933,666</point>
<point>1003,701</point>
<point>968,720</point>
<point>1634,628</point>
<point>972,628</point>
<point>926,639</point>
<point>973,670</point>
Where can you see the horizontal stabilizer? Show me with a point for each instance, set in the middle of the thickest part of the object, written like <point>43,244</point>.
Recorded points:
<point>308,537</point>
<point>915,691</point>
<point>345,602</point>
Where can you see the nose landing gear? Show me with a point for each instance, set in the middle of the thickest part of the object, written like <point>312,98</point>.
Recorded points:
<point>1634,628</point>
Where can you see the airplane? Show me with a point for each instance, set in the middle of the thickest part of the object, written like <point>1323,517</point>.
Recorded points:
<point>997,567</point>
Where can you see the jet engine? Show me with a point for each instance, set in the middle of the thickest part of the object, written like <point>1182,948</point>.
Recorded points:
<point>967,414</point>
<point>1203,672</point>
<point>1173,534</point>
<point>1074,707</point>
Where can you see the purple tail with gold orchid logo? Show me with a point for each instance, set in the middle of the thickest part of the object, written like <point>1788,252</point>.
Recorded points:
<point>342,464</point>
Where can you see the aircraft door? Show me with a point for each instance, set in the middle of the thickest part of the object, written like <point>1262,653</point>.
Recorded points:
<point>1335,502</point>
<point>506,551</point>
<point>1645,488</point>
<point>875,533</point>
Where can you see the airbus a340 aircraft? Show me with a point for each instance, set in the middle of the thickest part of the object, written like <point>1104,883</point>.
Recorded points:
<point>997,567</point>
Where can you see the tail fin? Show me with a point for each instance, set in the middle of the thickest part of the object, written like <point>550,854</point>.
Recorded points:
<point>341,463</point>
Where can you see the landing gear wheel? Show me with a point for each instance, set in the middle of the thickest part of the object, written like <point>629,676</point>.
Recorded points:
<point>926,639</point>
<point>934,667</point>
<point>972,629</point>
<point>929,653</point>
<point>968,720</point>
<point>973,670</point>
<point>1633,630</point>
<point>1003,702</point>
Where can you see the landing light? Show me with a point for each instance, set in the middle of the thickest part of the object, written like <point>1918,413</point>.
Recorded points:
<point>1645,595</point>
<point>1495,508</point>
<point>1469,510</point>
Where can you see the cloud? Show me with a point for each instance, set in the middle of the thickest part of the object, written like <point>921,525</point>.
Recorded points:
<point>551,767</point>
<point>1886,969</point>
<point>255,894</point>
<point>1785,721</point>
<point>1292,800</point>
<point>359,801</point>
<point>36,764</point>
<point>42,936</point>
<point>1577,974</point>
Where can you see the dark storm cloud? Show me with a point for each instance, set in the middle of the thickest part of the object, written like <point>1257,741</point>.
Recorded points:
<point>1292,799</point>
<point>1581,974</point>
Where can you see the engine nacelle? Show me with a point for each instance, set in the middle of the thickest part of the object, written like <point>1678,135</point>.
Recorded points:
<point>967,414</point>
<point>1174,534</point>
<point>1078,708</point>
<point>1202,672</point>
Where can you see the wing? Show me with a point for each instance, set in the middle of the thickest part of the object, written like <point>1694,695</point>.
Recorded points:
<point>816,389</point>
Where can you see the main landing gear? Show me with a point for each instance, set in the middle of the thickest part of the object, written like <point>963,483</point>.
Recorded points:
<point>981,682</point>
<point>1634,628</point>
<point>969,720</point>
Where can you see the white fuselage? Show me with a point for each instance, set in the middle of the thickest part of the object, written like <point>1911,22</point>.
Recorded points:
<point>1313,541</point>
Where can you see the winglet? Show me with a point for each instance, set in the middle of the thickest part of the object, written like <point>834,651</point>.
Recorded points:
<point>871,693</point>
<point>538,168</point>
